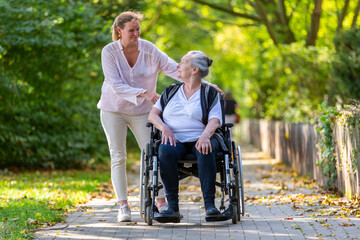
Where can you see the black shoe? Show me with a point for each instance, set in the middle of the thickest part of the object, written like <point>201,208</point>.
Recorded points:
<point>214,215</point>
<point>167,216</point>
<point>211,211</point>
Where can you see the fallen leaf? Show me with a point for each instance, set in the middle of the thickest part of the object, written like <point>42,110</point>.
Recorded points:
<point>321,220</point>
<point>289,218</point>
<point>132,223</point>
<point>32,221</point>
<point>295,207</point>
<point>347,224</point>
<point>325,225</point>
<point>196,199</point>
<point>102,220</point>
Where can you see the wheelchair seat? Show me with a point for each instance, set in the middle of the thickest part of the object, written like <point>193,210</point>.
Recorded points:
<point>191,158</point>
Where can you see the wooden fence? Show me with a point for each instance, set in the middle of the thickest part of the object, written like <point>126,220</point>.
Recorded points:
<point>295,145</point>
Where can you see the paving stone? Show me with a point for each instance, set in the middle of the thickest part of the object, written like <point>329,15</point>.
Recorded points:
<point>262,221</point>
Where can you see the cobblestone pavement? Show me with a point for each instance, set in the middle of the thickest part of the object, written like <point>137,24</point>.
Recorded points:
<point>272,211</point>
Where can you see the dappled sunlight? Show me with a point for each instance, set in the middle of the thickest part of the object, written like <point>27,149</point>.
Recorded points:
<point>278,204</point>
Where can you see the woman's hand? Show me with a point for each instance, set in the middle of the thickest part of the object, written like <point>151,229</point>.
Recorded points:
<point>168,135</point>
<point>203,144</point>
<point>217,88</point>
<point>150,96</point>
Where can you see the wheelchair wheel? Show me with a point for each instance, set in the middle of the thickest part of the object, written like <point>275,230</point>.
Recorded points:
<point>239,186</point>
<point>241,182</point>
<point>235,213</point>
<point>144,181</point>
<point>148,215</point>
<point>142,187</point>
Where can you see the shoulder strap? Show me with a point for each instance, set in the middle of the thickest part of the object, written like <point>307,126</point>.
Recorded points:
<point>168,94</point>
<point>209,98</point>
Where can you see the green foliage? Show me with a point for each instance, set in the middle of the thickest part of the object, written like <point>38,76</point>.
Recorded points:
<point>51,74</point>
<point>327,160</point>
<point>287,82</point>
<point>44,197</point>
<point>348,116</point>
<point>347,63</point>
<point>49,83</point>
<point>299,79</point>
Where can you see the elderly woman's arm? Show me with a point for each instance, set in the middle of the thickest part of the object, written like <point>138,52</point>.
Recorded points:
<point>203,144</point>
<point>167,134</point>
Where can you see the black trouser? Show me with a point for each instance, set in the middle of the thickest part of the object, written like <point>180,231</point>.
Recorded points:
<point>169,157</point>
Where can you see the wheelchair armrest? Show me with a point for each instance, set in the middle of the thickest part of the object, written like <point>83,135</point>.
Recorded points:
<point>149,124</point>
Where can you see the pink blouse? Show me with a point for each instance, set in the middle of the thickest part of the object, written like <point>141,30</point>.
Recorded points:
<point>123,84</point>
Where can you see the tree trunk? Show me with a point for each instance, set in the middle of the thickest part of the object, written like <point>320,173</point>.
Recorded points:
<point>282,11</point>
<point>356,14</point>
<point>263,16</point>
<point>289,36</point>
<point>153,21</point>
<point>342,16</point>
<point>315,23</point>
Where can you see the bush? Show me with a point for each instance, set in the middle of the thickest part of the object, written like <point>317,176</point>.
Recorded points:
<point>347,62</point>
<point>287,82</point>
<point>50,84</point>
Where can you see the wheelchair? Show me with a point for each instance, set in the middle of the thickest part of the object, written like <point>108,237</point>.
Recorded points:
<point>228,165</point>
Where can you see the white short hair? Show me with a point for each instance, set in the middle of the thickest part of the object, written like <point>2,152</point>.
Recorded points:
<point>200,60</point>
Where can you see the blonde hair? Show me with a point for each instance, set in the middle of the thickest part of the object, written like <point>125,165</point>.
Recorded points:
<point>123,18</point>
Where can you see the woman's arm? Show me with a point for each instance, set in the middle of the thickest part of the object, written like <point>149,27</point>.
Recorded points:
<point>169,67</point>
<point>203,144</point>
<point>167,134</point>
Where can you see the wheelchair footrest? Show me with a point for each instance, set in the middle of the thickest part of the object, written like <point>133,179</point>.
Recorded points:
<point>167,218</point>
<point>224,216</point>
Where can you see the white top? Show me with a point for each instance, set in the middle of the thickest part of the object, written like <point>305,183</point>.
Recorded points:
<point>184,116</point>
<point>123,84</point>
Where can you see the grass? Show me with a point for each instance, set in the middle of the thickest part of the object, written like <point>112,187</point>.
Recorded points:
<point>40,199</point>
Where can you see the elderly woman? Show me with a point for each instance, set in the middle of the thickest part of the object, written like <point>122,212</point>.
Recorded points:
<point>188,125</point>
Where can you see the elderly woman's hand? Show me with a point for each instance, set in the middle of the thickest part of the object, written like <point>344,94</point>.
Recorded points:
<point>203,144</point>
<point>168,135</point>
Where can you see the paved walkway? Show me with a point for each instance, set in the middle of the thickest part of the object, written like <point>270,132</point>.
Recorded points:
<point>279,205</point>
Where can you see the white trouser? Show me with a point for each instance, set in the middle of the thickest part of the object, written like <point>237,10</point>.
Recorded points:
<point>115,128</point>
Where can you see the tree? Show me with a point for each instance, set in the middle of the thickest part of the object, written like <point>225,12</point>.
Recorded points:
<point>356,14</point>
<point>315,24</point>
<point>279,16</point>
<point>342,15</point>
<point>49,83</point>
